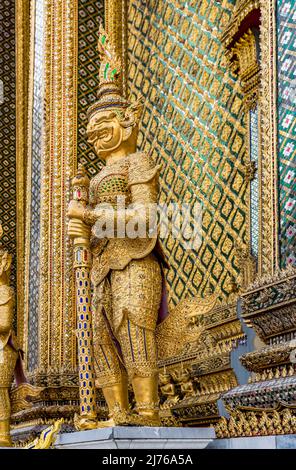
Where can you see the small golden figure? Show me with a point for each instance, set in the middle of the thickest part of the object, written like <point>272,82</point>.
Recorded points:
<point>168,390</point>
<point>125,273</point>
<point>183,378</point>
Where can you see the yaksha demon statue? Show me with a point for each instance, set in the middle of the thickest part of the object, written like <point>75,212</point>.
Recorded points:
<point>126,271</point>
<point>9,352</point>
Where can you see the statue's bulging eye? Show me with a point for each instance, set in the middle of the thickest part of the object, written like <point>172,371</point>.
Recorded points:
<point>103,134</point>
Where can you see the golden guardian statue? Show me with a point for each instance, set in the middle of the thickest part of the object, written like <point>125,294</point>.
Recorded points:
<point>9,351</point>
<point>125,266</point>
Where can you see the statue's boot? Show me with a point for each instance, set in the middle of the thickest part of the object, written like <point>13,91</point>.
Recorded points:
<point>116,397</point>
<point>147,400</point>
<point>5,439</point>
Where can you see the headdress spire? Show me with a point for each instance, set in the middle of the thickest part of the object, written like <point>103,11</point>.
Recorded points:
<point>109,92</point>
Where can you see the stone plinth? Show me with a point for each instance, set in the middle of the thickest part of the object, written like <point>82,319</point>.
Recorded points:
<point>128,437</point>
<point>261,442</point>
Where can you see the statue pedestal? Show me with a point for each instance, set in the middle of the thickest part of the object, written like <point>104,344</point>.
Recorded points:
<point>285,441</point>
<point>128,437</point>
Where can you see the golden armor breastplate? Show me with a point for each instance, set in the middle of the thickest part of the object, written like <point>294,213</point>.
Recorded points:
<point>116,253</point>
<point>109,184</point>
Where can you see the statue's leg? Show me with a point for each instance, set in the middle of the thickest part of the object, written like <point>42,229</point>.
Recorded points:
<point>139,352</point>
<point>111,375</point>
<point>5,440</point>
<point>136,295</point>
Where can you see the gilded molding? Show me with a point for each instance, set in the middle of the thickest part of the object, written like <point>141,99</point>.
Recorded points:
<point>28,175</point>
<point>241,48</point>
<point>269,305</point>
<point>265,422</point>
<point>270,291</point>
<point>269,357</point>
<point>22,77</point>
<point>57,348</point>
<point>245,50</point>
<point>259,83</point>
<point>248,266</point>
<point>269,241</point>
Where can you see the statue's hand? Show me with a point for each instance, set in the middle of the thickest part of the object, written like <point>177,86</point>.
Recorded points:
<point>78,229</point>
<point>75,210</point>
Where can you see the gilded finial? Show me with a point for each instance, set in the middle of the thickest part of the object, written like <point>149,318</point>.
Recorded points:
<point>80,171</point>
<point>81,178</point>
<point>110,96</point>
<point>80,184</point>
<point>110,67</point>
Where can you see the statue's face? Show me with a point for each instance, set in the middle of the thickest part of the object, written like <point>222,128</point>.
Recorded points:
<point>105,133</point>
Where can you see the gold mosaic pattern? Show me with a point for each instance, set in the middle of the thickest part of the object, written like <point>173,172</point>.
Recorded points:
<point>193,125</point>
<point>90,14</point>
<point>57,317</point>
<point>7,131</point>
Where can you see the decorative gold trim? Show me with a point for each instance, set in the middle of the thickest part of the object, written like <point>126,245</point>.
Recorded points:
<point>248,162</point>
<point>259,170</point>
<point>241,10</point>
<point>258,422</point>
<point>44,215</point>
<point>268,159</point>
<point>57,348</point>
<point>28,151</point>
<point>22,75</point>
<point>268,259</point>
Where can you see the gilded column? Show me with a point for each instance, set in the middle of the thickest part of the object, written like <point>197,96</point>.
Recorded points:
<point>50,340</point>
<point>268,164</point>
<point>57,350</point>
<point>22,75</point>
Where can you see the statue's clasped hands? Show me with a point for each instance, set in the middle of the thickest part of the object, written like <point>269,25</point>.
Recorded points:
<point>76,227</point>
<point>75,210</point>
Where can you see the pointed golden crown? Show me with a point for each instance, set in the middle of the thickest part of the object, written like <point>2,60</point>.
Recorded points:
<point>109,92</point>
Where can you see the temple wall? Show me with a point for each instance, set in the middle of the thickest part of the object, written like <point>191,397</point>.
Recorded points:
<point>193,124</point>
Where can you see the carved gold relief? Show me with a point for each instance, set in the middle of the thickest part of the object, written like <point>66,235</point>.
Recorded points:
<point>57,348</point>
<point>258,78</point>
<point>281,420</point>
<point>47,437</point>
<point>268,256</point>
<point>243,57</point>
<point>192,381</point>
